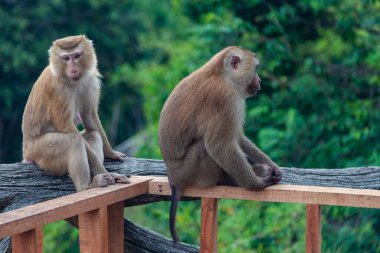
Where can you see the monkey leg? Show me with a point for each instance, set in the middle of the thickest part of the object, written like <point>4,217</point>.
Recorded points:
<point>59,154</point>
<point>94,139</point>
<point>197,168</point>
<point>96,158</point>
<point>94,149</point>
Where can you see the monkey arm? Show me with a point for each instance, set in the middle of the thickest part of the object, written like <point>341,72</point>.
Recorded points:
<point>230,157</point>
<point>254,153</point>
<point>91,122</point>
<point>107,148</point>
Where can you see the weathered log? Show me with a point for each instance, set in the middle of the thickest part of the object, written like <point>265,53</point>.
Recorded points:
<point>24,184</point>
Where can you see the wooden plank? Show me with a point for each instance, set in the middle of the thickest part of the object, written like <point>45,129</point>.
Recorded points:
<point>102,230</point>
<point>313,229</point>
<point>93,231</point>
<point>209,225</point>
<point>27,218</point>
<point>116,227</point>
<point>280,193</point>
<point>30,241</point>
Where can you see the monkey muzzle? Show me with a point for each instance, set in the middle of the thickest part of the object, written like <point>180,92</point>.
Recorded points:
<point>253,87</point>
<point>74,75</point>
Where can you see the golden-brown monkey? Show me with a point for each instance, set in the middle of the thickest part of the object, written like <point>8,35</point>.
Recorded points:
<point>65,94</point>
<point>201,129</point>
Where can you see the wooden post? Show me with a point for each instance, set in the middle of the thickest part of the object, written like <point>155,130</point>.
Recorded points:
<point>93,231</point>
<point>102,230</point>
<point>313,228</point>
<point>116,227</point>
<point>209,225</point>
<point>30,241</point>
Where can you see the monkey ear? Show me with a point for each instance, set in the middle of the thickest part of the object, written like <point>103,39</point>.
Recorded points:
<point>234,61</point>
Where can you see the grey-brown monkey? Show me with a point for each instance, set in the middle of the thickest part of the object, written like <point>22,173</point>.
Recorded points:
<point>65,94</point>
<point>201,129</point>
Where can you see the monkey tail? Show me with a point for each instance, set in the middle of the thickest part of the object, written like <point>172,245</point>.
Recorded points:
<point>176,196</point>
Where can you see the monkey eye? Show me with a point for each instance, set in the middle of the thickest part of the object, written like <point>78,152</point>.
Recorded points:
<point>65,58</point>
<point>77,55</point>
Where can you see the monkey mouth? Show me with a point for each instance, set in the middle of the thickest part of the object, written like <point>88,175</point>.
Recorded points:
<point>253,88</point>
<point>75,78</point>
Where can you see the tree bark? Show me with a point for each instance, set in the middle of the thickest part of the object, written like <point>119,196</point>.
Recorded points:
<point>24,184</point>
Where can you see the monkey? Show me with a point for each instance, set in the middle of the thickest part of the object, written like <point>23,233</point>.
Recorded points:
<point>66,94</point>
<point>201,129</point>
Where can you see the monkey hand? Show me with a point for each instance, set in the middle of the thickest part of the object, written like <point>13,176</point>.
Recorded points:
<point>268,174</point>
<point>276,174</point>
<point>118,178</point>
<point>116,155</point>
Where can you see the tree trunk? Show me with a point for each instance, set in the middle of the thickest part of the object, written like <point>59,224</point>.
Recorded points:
<point>24,184</point>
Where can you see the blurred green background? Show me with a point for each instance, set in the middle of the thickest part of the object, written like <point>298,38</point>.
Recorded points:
<point>318,107</point>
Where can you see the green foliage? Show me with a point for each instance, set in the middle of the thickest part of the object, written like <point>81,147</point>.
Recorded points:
<point>29,27</point>
<point>60,237</point>
<point>318,106</point>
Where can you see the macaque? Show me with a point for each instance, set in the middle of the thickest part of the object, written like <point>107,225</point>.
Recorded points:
<point>66,94</point>
<point>201,129</point>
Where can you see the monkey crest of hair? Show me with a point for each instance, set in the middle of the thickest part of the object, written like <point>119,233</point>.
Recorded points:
<point>70,42</point>
<point>201,129</point>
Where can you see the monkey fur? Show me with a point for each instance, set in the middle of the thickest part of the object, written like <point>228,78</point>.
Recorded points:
<point>67,93</point>
<point>201,129</point>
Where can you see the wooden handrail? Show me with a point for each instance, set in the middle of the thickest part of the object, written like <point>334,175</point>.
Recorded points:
<point>312,196</point>
<point>279,193</point>
<point>29,217</point>
<point>100,212</point>
<point>100,215</point>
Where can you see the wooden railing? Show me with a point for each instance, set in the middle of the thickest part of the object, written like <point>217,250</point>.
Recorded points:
<point>100,212</point>
<point>100,216</point>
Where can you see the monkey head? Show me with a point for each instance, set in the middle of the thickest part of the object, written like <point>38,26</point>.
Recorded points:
<point>72,57</point>
<point>240,70</point>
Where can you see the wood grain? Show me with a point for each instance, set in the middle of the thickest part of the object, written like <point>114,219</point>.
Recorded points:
<point>24,184</point>
<point>280,193</point>
<point>24,219</point>
<point>313,229</point>
<point>209,225</point>
<point>93,231</point>
<point>29,241</point>
<point>115,227</point>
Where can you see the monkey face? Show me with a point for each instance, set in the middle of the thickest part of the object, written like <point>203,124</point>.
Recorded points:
<point>245,76</point>
<point>72,57</point>
<point>71,61</point>
<point>254,85</point>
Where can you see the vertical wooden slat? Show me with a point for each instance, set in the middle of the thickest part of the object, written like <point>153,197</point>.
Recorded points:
<point>30,241</point>
<point>93,231</point>
<point>313,228</point>
<point>209,225</point>
<point>116,227</point>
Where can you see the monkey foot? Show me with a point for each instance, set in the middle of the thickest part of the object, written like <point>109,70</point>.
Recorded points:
<point>118,178</point>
